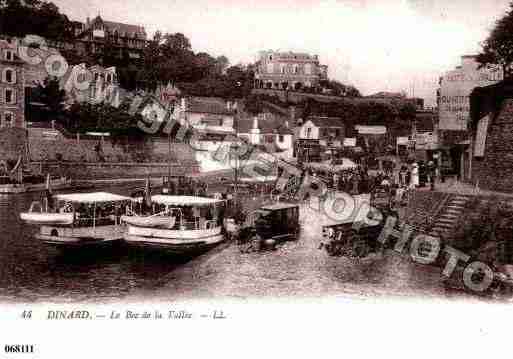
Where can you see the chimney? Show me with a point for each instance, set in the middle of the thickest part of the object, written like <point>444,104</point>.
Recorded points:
<point>88,21</point>
<point>255,122</point>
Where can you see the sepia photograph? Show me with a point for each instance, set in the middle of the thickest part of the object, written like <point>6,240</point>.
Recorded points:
<point>282,175</point>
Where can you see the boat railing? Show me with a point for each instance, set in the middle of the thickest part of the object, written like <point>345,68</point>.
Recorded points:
<point>198,225</point>
<point>160,214</point>
<point>36,205</point>
<point>97,221</point>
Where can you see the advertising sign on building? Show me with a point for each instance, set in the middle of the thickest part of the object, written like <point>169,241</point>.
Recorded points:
<point>455,89</point>
<point>349,142</point>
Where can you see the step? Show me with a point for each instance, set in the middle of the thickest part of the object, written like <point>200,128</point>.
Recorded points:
<point>450,215</point>
<point>442,232</point>
<point>454,211</point>
<point>450,221</point>
<point>459,198</point>
<point>444,227</point>
<point>456,208</point>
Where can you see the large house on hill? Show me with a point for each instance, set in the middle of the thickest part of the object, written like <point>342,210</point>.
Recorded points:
<point>288,70</point>
<point>94,35</point>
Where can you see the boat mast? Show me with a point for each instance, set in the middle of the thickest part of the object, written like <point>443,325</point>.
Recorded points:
<point>236,170</point>
<point>169,156</point>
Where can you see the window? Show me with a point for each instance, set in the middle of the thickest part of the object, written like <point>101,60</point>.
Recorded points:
<point>9,56</point>
<point>10,97</point>
<point>8,120</point>
<point>309,132</point>
<point>281,138</point>
<point>9,76</point>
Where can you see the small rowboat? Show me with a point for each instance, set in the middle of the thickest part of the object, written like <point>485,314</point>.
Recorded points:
<point>150,222</point>
<point>48,219</point>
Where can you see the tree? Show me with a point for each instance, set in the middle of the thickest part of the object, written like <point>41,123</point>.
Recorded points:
<point>340,89</point>
<point>45,19</point>
<point>497,49</point>
<point>222,64</point>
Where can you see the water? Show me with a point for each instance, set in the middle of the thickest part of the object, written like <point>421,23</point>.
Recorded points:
<point>30,270</point>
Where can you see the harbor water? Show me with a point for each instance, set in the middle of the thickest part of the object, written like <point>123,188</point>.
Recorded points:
<point>33,272</point>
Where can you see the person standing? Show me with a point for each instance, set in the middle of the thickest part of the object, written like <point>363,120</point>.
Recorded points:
<point>432,174</point>
<point>415,176</point>
<point>402,176</point>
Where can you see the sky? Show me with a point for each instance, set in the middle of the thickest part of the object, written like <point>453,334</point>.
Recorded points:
<point>375,45</point>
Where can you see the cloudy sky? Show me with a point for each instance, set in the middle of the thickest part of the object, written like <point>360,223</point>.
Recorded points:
<point>376,45</point>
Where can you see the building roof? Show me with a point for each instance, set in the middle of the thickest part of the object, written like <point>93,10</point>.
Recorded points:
<point>124,28</point>
<point>266,126</point>
<point>212,106</point>
<point>321,121</point>
<point>384,94</point>
<point>128,30</point>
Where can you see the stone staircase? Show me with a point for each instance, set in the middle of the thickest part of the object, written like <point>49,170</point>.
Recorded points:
<point>446,221</point>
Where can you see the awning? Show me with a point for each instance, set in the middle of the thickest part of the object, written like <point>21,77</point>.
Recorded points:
<point>183,200</point>
<point>259,179</point>
<point>328,166</point>
<point>371,130</point>
<point>94,197</point>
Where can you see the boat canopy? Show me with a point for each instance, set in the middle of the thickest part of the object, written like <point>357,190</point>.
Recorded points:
<point>182,200</point>
<point>94,197</point>
<point>328,166</point>
<point>259,179</point>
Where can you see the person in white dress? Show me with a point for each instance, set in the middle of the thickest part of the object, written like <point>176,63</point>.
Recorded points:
<point>415,176</point>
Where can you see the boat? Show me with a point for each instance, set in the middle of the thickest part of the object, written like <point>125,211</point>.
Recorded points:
<point>178,224</point>
<point>56,183</point>
<point>78,219</point>
<point>19,180</point>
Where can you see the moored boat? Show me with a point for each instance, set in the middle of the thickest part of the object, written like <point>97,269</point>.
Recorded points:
<point>178,224</point>
<point>79,219</point>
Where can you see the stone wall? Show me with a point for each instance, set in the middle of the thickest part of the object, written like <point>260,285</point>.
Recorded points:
<point>46,144</point>
<point>12,143</point>
<point>494,171</point>
<point>88,171</point>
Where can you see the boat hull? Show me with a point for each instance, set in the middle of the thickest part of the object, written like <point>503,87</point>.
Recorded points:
<point>174,241</point>
<point>64,236</point>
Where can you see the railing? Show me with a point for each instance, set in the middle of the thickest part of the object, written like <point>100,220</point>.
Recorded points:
<point>190,225</point>
<point>98,221</point>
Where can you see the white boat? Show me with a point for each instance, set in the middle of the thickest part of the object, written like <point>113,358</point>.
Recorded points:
<point>80,219</point>
<point>155,221</point>
<point>179,224</point>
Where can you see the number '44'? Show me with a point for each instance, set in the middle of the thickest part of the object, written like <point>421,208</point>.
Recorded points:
<point>27,314</point>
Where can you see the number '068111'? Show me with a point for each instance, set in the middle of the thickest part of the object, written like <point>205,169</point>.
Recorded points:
<point>25,348</point>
